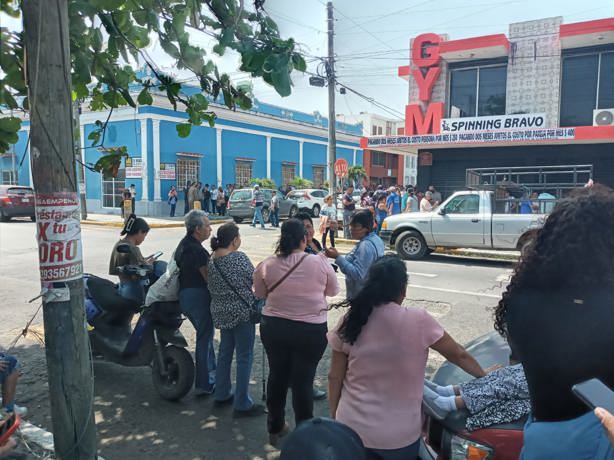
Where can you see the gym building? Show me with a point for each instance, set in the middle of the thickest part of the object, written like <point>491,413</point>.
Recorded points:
<point>535,106</point>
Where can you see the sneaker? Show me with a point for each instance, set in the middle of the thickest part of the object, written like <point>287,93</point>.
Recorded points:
<point>274,438</point>
<point>202,392</point>
<point>318,394</point>
<point>224,402</point>
<point>19,410</point>
<point>254,411</point>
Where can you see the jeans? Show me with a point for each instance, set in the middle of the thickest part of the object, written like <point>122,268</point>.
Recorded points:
<point>221,209</point>
<point>213,206</point>
<point>274,217</point>
<point>331,232</point>
<point>293,349</point>
<point>173,206</point>
<point>347,216</point>
<point>194,303</point>
<point>258,215</point>
<point>241,338</point>
<point>404,453</point>
<point>206,205</point>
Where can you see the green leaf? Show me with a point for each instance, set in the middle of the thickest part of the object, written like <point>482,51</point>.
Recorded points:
<point>107,4</point>
<point>170,49</point>
<point>219,49</point>
<point>96,39</point>
<point>144,98</point>
<point>200,101</point>
<point>10,124</point>
<point>298,62</point>
<point>183,129</point>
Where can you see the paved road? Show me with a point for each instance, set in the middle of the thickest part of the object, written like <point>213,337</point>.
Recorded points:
<point>132,421</point>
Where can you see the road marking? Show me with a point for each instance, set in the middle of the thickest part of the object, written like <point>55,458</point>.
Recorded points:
<point>426,275</point>
<point>455,291</point>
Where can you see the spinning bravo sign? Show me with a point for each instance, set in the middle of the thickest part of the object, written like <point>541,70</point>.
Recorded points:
<point>59,237</point>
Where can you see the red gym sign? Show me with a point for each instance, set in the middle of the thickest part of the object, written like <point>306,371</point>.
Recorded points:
<point>425,59</point>
<point>341,167</point>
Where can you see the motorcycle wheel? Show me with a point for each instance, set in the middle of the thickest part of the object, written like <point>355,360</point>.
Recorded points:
<point>179,377</point>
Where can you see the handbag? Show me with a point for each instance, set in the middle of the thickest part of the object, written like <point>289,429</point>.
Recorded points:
<point>255,308</point>
<point>166,288</point>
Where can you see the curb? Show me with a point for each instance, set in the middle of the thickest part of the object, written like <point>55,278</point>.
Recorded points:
<point>101,223</point>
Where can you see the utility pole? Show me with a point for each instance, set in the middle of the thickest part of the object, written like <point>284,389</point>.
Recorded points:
<point>52,156</point>
<point>330,75</point>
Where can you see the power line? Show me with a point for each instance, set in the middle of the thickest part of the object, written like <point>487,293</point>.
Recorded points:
<point>361,27</point>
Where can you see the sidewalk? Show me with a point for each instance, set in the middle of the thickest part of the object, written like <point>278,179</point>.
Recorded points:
<point>114,220</point>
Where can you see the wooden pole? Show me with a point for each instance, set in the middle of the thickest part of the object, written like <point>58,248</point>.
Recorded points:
<point>52,157</point>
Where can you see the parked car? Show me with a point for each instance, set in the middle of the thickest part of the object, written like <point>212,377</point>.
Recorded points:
<point>310,200</point>
<point>448,439</point>
<point>465,220</point>
<point>16,201</point>
<point>241,205</point>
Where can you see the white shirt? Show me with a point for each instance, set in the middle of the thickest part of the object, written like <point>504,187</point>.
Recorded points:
<point>425,205</point>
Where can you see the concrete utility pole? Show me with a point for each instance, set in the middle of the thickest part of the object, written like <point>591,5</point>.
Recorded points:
<point>52,156</point>
<point>330,75</point>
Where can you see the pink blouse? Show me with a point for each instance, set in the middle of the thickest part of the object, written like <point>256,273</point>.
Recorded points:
<point>381,398</point>
<point>302,295</point>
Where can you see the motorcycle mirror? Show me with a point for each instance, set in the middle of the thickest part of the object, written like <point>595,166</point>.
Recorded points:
<point>123,248</point>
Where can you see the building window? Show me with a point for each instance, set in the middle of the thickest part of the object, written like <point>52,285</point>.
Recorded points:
<point>288,172</point>
<point>378,159</point>
<point>243,173</point>
<point>388,128</point>
<point>478,91</point>
<point>187,171</point>
<point>318,176</point>
<point>112,188</point>
<point>379,130</point>
<point>374,130</point>
<point>587,84</point>
<point>9,177</point>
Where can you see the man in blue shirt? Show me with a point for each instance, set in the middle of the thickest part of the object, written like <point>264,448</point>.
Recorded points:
<point>393,202</point>
<point>369,248</point>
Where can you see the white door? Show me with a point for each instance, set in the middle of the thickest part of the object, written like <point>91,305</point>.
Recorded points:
<point>459,223</point>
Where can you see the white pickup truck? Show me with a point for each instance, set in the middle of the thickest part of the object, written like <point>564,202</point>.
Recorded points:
<point>465,220</point>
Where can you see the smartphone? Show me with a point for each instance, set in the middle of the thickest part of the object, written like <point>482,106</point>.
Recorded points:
<point>8,426</point>
<point>155,255</point>
<point>594,393</point>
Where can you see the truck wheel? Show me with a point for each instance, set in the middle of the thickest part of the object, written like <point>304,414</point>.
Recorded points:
<point>315,211</point>
<point>411,245</point>
<point>237,220</point>
<point>266,214</point>
<point>293,212</point>
<point>3,217</point>
<point>175,381</point>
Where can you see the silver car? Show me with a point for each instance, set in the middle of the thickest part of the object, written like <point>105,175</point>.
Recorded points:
<point>241,205</point>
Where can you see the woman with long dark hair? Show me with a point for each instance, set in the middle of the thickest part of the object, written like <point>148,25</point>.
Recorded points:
<point>293,327</point>
<point>134,233</point>
<point>230,284</point>
<point>379,358</point>
<point>557,317</point>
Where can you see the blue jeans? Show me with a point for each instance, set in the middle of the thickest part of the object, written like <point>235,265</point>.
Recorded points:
<point>173,206</point>
<point>258,216</point>
<point>195,303</point>
<point>274,217</point>
<point>242,338</point>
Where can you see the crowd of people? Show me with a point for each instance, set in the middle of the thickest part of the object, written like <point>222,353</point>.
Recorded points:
<point>211,199</point>
<point>559,291</point>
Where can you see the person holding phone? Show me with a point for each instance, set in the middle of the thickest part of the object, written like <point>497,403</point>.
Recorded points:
<point>557,316</point>
<point>607,420</point>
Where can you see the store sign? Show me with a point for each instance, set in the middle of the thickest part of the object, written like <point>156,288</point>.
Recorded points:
<point>425,58</point>
<point>475,137</point>
<point>134,168</point>
<point>167,171</point>
<point>495,123</point>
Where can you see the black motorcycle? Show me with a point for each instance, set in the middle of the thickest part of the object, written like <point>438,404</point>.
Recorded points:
<point>154,341</point>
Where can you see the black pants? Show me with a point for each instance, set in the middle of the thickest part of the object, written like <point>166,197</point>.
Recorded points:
<point>294,350</point>
<point>332,236</point>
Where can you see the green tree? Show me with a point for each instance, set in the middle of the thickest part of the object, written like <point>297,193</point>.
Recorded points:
<point>299,182</point>
<point>264,182</point>
<point>106,35</point>
<point>356,174</point>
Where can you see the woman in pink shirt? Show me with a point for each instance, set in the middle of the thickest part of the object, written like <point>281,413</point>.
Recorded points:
<point>378,362</point>
<point>293,327</point>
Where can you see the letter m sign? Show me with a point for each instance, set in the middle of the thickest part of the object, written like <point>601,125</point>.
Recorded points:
<point>417,122</point>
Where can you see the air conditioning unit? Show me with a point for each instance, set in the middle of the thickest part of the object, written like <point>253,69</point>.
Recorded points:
<point>603,117</point>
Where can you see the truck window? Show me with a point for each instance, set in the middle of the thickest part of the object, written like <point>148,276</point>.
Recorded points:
<point>464,204</point>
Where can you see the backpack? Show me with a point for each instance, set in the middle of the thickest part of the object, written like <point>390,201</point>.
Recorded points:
<point>166,288</point>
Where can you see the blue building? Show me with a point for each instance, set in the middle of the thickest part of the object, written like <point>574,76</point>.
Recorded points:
<point>264,142</point>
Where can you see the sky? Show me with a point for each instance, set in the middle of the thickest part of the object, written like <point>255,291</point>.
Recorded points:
<point>372,40</point>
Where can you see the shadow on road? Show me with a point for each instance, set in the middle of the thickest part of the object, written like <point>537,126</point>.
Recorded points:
<point>466,261</point>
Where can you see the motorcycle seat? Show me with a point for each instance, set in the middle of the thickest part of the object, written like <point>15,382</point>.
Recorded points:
<point>104,293</point>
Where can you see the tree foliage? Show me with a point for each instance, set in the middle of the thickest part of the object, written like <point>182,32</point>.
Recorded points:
<point>299,182</point>
<point>356,173</point>
<point>264,182</point>
<point>107,35</point>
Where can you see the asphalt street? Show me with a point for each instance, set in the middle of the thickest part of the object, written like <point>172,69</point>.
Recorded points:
<point>132,420</point>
